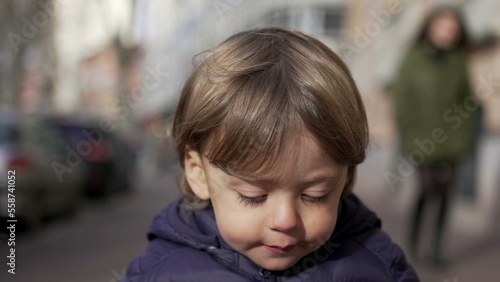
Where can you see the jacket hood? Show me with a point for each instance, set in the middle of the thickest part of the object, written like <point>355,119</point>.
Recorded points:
<point>198,230</point>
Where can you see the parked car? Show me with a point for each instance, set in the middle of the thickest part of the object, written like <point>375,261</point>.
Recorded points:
<point>35,150</point>
<point>107,157</point>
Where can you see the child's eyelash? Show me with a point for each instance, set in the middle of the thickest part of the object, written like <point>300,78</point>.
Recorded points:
<point>314,200</point>
<point>251,201</point>
<point>254,201</point>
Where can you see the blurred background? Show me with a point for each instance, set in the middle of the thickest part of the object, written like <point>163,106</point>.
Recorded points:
<point>86,93</point>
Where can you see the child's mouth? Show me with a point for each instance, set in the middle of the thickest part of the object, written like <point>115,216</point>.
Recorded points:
<point>280,250</point>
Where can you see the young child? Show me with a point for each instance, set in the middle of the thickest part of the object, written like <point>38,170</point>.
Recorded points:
<point>270,128</point>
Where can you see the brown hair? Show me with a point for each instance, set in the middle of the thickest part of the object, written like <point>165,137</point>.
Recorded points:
<point>251,93</point>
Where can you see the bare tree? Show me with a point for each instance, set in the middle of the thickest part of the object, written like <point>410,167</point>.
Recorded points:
<point>26,33</point>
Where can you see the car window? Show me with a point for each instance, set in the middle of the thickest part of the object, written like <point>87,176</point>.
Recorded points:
<point>42,138</point>
<point>8,133</point>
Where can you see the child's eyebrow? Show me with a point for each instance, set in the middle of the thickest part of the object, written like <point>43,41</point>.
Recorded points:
<point>272,182</point>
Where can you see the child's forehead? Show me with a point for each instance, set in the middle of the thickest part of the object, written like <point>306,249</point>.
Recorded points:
<point>325,174</point>
<point>300,150</point>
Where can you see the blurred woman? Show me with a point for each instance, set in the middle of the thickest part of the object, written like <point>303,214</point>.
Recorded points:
<point>436,112</point>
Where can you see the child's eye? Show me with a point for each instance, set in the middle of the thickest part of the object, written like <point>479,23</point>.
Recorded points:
<point>251,201</point>
<point>314,200</point>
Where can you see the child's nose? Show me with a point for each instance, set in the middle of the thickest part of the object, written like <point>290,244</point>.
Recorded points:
<point>285,217</point>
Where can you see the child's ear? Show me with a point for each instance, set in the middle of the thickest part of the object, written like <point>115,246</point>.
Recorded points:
<point>195,173</point>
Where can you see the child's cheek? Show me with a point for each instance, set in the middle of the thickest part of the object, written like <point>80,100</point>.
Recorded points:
<point>319,227</point>
<point>237,224</point>
<point>240,232</point>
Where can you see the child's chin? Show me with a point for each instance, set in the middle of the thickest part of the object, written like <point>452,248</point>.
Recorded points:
<point>278,264</point>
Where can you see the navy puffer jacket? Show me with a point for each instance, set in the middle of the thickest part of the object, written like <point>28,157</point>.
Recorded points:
<point>186,245</point>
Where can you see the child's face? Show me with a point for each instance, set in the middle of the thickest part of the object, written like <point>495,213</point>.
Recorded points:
<point>276,221</point>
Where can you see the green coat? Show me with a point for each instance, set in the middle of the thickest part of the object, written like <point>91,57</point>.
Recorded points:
<point>434,106</point>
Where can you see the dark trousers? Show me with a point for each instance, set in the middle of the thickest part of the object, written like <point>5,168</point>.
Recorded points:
<point>436,181</point>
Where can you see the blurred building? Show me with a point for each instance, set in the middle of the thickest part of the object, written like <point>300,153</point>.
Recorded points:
<point>79,55</point>
<point>88,37</point>
<point>52,46</point>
